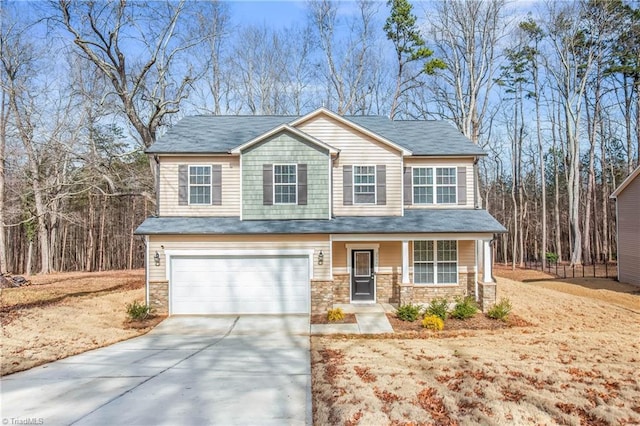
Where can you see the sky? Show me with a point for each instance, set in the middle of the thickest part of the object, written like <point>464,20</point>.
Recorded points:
<point>271,13</point>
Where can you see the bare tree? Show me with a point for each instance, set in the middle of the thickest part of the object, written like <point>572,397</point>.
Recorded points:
<point>4,117</point>
<point>137,48</point>
<point>41,117</point>
<point>466,36</point>
<point>570,68</point>
<point>346,61</point>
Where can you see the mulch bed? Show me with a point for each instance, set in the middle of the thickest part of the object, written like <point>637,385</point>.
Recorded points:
<point>322,319</point>
<point>149,322</point>
<point>478,322</point>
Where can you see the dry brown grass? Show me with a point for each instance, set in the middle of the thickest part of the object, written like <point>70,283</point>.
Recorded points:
<point>65,314</point>
<point>577,364</point>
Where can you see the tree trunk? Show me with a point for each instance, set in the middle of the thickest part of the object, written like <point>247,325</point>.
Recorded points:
<point>101,244</point>
<point>91,244</point>
<point>4,114</point>
<point>29,258</point>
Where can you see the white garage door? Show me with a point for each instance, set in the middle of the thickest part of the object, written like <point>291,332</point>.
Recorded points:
<point>239,284</point>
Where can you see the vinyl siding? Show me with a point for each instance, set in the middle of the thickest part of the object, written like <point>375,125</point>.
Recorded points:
<point>285,149</point>
<point>359,149</point>
<point>445,162</point>
<point>168,193</point>
<point>628,208</point>
<point>238,242</point>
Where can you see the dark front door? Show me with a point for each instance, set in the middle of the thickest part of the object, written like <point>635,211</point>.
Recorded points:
<point>362,276</point>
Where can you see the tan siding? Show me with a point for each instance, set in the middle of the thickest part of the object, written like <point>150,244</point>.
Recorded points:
<point>359,149</point>
<point>466,255</point>
<point>238,242</point>
<point>339,255</point>
<point>445,162</point>
<point>390,254</point>
<point>629,233</point>
<point>168,196</point>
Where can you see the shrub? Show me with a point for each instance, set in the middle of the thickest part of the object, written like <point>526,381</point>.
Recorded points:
<point>465,308</point>
<point>408,312</point>
<point>335,314</point>
<point>138,311</point>
<point>433,322</point>
<point>552,257</point>
<point>500,310</point>
<point>438,307</point>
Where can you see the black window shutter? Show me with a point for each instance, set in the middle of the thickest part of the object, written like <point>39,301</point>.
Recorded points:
<point>381,184</point>
<point>347,185</point>
<point>216,184</point>
<point>267,184</point>
<point>407,186</point>
<point>183,185</point>
<point>302,184</point>
<point>462,185</point>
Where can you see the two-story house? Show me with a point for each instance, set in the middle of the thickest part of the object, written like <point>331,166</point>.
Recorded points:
<point>273,214</point>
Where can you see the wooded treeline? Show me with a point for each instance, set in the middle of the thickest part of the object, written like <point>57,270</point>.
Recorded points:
<point>551,92</point>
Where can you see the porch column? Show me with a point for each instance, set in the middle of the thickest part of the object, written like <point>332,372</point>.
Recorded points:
<point>486,270</point>
<point>405,262</point>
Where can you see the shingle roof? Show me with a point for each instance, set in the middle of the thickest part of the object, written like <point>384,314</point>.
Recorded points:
<point>221,133</point>
<point>414,221</point>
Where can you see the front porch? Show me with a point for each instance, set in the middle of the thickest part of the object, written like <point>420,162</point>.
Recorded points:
<point>405,270</point>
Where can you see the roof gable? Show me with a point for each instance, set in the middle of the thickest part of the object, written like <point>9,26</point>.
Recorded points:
<point>351,124</point>
<point>634,174</point>
<point>284,128</point>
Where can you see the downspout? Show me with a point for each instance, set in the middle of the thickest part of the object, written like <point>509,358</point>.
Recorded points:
<point>157,160</point>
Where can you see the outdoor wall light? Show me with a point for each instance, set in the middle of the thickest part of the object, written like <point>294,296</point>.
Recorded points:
<point>320,258</point>
<point>156,259</point>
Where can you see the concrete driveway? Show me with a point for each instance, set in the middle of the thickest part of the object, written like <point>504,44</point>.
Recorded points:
<point>247,370</point>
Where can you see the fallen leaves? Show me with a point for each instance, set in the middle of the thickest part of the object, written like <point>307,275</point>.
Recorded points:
<point>365,374</point>
<point>429,401</point>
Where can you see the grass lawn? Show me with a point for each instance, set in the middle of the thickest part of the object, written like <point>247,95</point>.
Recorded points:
<point>577,363</point>
<point>66,314</point>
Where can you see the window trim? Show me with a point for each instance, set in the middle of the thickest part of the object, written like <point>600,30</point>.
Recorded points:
<point>210,185</point>
<point>435,262</point>
<point>434,185</point>
<point>374,184</point>
<point>275,184</point>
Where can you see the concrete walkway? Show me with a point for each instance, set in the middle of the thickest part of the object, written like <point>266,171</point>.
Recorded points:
<point>189,370</point>
<point>371,319</point>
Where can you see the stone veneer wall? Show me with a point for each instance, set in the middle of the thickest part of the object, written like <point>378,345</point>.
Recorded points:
<point>423,294</point>
<point>487,295</point>
<point>341,288</point>
<point>321,296</point>
<point>159,296</point>
<point>387,288</point>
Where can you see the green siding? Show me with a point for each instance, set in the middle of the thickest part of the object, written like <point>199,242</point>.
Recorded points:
<point>285,148</point>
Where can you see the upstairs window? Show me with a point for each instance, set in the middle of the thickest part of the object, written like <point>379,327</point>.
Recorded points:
<point>285,183</point>
<point>364,184</point>
<point>446,185</point>
<point>199,184</point>
<point>443,186</point>
<point>423,185</point>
